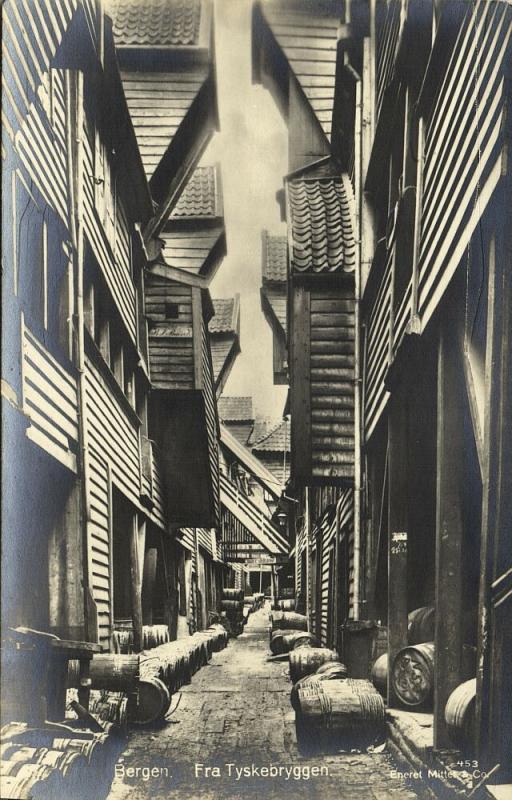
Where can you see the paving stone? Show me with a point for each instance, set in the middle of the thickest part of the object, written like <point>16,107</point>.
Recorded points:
<point>237,710</point>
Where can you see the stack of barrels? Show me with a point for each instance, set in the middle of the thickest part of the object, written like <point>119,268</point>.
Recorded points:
<point>47,763</point>
<point>138,687</point>
<point>288,630</point>
<point>253,602</point>
<point>232,607</point>
<point>412,678</point>
<point>412,670</point>
<point>154,635</point>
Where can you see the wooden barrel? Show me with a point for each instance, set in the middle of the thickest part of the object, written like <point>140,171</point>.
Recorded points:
<point>110,707</point>
<point>68,763</point>
<point>86,747</point>
<point>306,660</point>
<point>233,608</point>
<point>289,620</point>
<point>153,701</point>
<point>220,638</point>
<point>122,641</point>
<point>35,781</point>
<point>15,753</point>
<point>10,767</point>
<point>412,674</point>
<point>331,670</point>
<point>233,594</point>
<point>115,672</point>
<point>420,625</point>
<point>459,716</point>
<point>338,672</point>
<point>346,710</point>
<point>282,641</point>
<point>380,674</point>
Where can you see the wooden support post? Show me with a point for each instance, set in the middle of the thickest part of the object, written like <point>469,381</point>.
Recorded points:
<point>494,678</point>
<point>449,532</point>
<point>398,539</point>
<point>148,584</point>
<point>135,586</point>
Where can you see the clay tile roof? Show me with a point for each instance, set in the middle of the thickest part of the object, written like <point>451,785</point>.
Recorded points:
<point>165,23</point>
<point>235,409</point>
<point>223,321</point>
<point>323,239</point>
<point>274,257</point>
<point>199,198</point>
<point>277,439</point>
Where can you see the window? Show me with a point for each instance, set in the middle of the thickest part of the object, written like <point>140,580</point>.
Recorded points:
<point>172,311</point>
<point>116,357</point>
<point>89,309</point>
<point>129,382</point>
<point>142,406</point>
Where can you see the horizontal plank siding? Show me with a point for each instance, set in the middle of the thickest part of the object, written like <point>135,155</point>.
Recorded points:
<point>309,39</point>
<point>189,251</point>
<point>50,401</point>
<point>98,536</point>
<point>387,44</point>
<point>331,373</point>
<point>113,261</point>
<point>158,103</point>
<point>346,522</point>
<point>112,434</point>
<point>464,147</point>
<point>211,420</point>
<point>377,352</point>
<point>205,540</point>
<point>157,514</point>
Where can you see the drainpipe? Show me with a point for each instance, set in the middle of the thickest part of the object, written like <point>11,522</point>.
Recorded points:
<point>308,566</point>
<point>74,154</point>
<point>357,354</point>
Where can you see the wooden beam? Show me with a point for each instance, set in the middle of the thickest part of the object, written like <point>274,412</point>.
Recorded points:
<point>493,708</point>
<point>135,586</point>
<point>301,385</point>
<point>449,532</point>
<point>398,523</point>
<point>148,584</point>
<point>197,325</point>
<point>179,276</point>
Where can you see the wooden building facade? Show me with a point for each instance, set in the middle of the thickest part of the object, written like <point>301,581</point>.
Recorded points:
<point>111,235</point>
<point>409,112</point>
<point>295,56</point>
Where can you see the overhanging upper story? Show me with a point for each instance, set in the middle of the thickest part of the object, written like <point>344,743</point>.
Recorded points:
<point>295,54</point>
<point>224,328</point>
<point>166,57</point>
<point>322,323</point>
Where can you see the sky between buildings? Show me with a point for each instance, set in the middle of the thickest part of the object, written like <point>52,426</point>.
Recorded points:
<point>252,150</point>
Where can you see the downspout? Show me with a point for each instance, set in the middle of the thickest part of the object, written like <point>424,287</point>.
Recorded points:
<point>337,642</point>
<point>357,343</point>
<point>308,566</point>
<point>74,158</point>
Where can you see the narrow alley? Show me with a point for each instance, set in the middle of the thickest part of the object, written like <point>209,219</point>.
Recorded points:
<point>237,712</point>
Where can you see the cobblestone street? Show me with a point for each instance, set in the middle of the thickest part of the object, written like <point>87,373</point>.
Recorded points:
<point>237,711</point>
